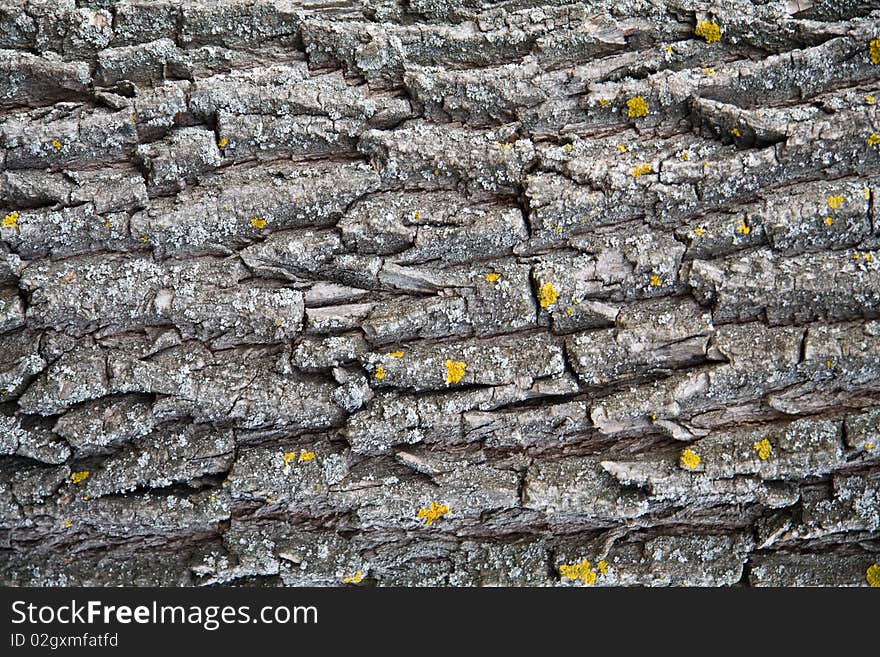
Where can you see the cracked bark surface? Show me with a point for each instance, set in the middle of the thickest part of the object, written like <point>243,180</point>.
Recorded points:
<point>439,292</point>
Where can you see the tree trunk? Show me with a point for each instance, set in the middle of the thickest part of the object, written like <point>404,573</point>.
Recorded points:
<point>439,292</point>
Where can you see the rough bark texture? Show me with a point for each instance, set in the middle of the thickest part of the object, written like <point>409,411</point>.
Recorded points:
<point>439,292</point>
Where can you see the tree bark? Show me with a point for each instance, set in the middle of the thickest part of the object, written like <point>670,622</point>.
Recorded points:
<point>439,292</point>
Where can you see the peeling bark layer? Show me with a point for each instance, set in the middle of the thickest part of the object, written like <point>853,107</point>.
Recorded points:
<point>439,292</point>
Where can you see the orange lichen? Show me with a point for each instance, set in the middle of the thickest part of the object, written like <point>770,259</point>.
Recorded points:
<point>834,202</point>
<point>222,142</point>
<point>579,571</point>
<point>641,170</point>
<point>380,373</point>
<point>433,512</point>
<point>258,222</point>
<point>396,354</point>
<point>455,370</point>
<point>10,220</point>
<point>493,277</point>
<point>872,576</point>
<point>79,477</point>
<point>305,455</point>
<point>547,295</point>
<point>710,31</point>
<point>655,281</point>
<point>354,579</point>
<point>874,50</point>
<point>763,448</point>
<point>636,107</point>
<point>689,459</point>
<point>874,139</point>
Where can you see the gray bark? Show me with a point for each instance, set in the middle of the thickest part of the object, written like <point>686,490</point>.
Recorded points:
<point>439,292</point>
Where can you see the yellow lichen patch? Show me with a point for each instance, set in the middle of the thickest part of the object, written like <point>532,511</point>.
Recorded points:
<point>604,102</point>
<point>493,277</point>
<point>380,373</point>
<point>872,576</point>
<point>636,107</point>
<point>641,170</point>
<point>222,142</point>
<point>655,281</point>
<point>107,224</point>
<point>417,215</point>
<point>736,133</point>
<point>10,220</point>
<point>685,156</point>
<point>868,257</point>
<point>829,221</point>
<point>289,457</point>
<point>621,148</point>
<point>68,523</point>
<point>258,222</point>
<point>433,512</point>
<point>603,567</point>
<point>829,363</point>
<point>689,459</point>
<point>743,228</point>
<point>436,172</point>
<point>305,456</point>
<point>834,202</point>
<point>668,48</point>
<point>874,50</point>
<point>869,446</point>
<point>874,139</point>
<point>579,571</point>
<point>79,477</point>
<point>569,311</point>
<point>699,232</point>
<point>867,192</point>
<point>547,295</point>
<point>503,146</point>
<point>396,354</point>
<point>709,31</point>
<point>709,71</point>
<point>869,99</point>
<point>269,500</point>
<point>558,229</point>
<point>568,148</point>
<point>56,144</point>
<point>763,448</point>
<point>354,579</point>
<point>455,370</point>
